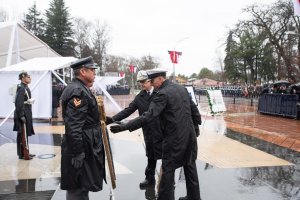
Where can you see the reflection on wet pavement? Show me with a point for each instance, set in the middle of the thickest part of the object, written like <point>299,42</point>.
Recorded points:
<point>238,159</point>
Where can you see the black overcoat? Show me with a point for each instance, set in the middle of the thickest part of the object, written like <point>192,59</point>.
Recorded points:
<point>22,109</point>
<point>82,134</point>
<point>177,113</point>
<point>56,92</point>
<point>152,131</point>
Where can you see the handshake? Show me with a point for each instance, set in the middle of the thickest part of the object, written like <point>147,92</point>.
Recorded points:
<point>119,127</point>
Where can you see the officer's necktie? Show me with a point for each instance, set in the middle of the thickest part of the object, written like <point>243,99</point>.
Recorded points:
<point>149,93</point>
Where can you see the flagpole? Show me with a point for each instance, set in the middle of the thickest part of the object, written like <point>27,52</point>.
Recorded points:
<point>174,76</point>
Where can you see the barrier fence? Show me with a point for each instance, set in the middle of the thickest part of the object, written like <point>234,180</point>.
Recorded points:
<point>286,105</point>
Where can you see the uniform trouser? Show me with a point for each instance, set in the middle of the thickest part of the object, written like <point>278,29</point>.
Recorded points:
<point>192,182</point>
<point>78,194</point>
<point>166,188</point>
<point>20,144</point>
<point>150,169</point>
<point>54,111</point>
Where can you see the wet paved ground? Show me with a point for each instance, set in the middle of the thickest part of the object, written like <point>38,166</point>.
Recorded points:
<point>242,155</point>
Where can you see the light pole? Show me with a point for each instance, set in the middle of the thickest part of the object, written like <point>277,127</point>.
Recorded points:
<point>174,77</point>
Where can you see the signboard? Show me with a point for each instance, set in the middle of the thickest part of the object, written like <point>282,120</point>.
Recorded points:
<point>191,92</point>
<point>216,102</point>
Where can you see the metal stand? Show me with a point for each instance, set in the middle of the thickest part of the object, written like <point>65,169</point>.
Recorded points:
<point>233,98</point>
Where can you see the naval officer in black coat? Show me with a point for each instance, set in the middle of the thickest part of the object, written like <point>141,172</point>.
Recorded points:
<point>152,131</point>
<point>82,152</point>
<point>179,116</point>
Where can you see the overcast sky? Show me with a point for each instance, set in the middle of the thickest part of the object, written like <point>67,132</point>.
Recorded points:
<point>153,27</point>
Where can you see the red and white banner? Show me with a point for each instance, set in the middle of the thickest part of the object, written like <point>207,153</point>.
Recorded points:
<point>174,55</point>
<point>296,7</point>
<point>131,68</point>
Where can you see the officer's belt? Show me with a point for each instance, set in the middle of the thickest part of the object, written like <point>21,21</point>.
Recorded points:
<point>90,126</point>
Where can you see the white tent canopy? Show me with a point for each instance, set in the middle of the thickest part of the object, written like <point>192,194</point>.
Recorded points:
<point>18,44</point>
<point>40,69</point>
<point>40,64</point>
<point>108,80</point>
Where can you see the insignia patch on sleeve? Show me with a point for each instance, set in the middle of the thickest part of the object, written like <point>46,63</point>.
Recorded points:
<point>77,102</point>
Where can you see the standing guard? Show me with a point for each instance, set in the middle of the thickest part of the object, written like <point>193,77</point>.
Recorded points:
<point>23,116</point>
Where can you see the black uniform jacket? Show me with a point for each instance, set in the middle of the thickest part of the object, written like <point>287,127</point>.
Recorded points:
<point>152,131</point>
<point>23,109</point>
<point>56,92</point>
<point>177,113</point>
<point>82,134</point>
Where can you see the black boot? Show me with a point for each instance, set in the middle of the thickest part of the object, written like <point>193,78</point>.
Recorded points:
<point>147,183</point>
<point>183,198</point>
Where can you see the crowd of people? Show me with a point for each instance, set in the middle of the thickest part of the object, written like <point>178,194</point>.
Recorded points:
<point>251,91</point>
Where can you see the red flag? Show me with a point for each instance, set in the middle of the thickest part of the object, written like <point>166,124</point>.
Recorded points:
<point>122,74</point>
<point>131,68</point>
<point>174,56</point>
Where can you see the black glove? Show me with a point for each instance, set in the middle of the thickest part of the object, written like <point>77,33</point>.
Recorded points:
<point>197,130</point>
<point>23,119</point>
<point>77,161</point>
<point>109,120</point>
<point>118,128</point>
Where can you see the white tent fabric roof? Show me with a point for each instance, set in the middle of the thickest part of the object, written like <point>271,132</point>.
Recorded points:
<point>17,37</point>
<point>41,64</point>
<point>108,80</point>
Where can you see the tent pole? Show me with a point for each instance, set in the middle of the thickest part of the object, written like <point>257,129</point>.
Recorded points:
<point>32,88</point>
<point>11,44</point>
<point>55,74</point>
<point>109,96</point>
<point>64,75</point>
<point>17,44</point>
<point>11,112</point>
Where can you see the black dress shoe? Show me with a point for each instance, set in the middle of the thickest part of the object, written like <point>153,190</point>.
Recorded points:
<point>32,155</point>
<point>147,183</point>
<point>183,198</point>
<point>22,157</point>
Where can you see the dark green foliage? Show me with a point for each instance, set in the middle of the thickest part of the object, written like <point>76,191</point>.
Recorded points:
<point>58,34</point>
<point>34,22</point>
<point>205,73</point>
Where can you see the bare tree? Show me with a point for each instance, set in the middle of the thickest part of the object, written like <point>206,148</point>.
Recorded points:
<point>100,40</point>
<point>275,21</point>
<point>82,37</point>
<point>148,62</point>
<point>3,15</point>
<point>115,64</point>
